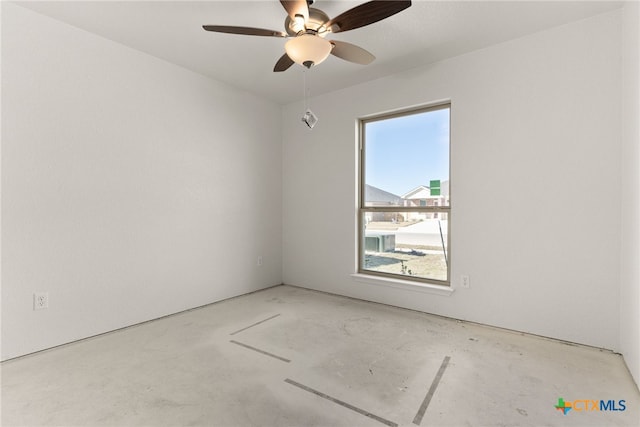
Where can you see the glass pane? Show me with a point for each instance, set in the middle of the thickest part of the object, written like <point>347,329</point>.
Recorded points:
<point>406,160</point>
<point>406,243</point>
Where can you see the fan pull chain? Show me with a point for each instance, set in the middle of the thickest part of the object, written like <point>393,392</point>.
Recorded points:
<point>308,118</point>
<point>305,90</point>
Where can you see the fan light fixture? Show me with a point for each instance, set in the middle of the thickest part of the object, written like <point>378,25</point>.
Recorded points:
<point>308,49</point>
<point>306,27</point>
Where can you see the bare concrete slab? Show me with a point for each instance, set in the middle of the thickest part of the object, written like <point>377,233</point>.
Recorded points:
<point>288,356</point>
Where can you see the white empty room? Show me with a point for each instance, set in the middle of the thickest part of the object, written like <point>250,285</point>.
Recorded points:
<point>160,210</point>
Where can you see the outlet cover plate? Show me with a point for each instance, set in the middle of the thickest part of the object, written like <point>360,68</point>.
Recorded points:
<point>40,300</point>
<point>464,281</point>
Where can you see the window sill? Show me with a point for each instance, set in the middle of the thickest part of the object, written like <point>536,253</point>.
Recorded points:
<point>404,284</point>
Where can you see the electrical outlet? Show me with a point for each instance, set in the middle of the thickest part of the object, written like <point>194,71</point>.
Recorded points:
<point>464,281</point>
<point>259,261</point>
<point>40,300</point>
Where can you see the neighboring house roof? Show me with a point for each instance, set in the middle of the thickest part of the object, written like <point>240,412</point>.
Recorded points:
<point>424,192</point>
<point>420,192</point>
<point>376,195</point>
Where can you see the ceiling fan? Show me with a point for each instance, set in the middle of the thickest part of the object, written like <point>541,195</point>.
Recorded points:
<point>307,27</point>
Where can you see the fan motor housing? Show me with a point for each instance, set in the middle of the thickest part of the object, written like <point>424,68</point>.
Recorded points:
<point>315,23</point>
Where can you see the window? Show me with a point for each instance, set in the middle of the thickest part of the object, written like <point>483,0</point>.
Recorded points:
<point>404,195</point>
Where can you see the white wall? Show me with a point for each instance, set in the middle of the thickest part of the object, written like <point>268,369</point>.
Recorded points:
<point>630,280</point>
<point>124,177</point>
<point>131,188</point>
<point>537,120</point>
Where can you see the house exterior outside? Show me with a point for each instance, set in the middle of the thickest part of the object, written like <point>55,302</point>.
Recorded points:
<point>421,196</point>
<point>427,196</point>
<point>376,197</point>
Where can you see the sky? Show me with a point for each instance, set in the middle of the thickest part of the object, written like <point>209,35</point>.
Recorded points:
<point>405,152</point>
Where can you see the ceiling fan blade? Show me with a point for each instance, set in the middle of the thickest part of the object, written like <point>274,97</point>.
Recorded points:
<point>249,31</point>
<point>351,52</point>
<point>366,13</point>
<point>296,7</point>
<point>283,63</point>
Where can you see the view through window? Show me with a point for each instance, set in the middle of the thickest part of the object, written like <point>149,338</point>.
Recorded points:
<point>404,195</point>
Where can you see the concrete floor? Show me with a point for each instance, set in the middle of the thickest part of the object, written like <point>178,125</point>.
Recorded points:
<point>293,357</point>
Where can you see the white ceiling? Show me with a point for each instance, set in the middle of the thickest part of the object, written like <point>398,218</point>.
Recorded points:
<point>426,32</point>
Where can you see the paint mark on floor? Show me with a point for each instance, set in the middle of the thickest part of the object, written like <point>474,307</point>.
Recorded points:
<point>434,385</point>
<point>341,403</point>
<point>255,324</point>
<point>260,351</point>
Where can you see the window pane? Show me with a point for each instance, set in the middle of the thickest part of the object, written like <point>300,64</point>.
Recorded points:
<point>412,244</point>
<point>406,160</point>
<point>404,195</point>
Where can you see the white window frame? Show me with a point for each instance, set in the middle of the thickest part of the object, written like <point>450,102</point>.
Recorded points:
<point>363,273</point>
